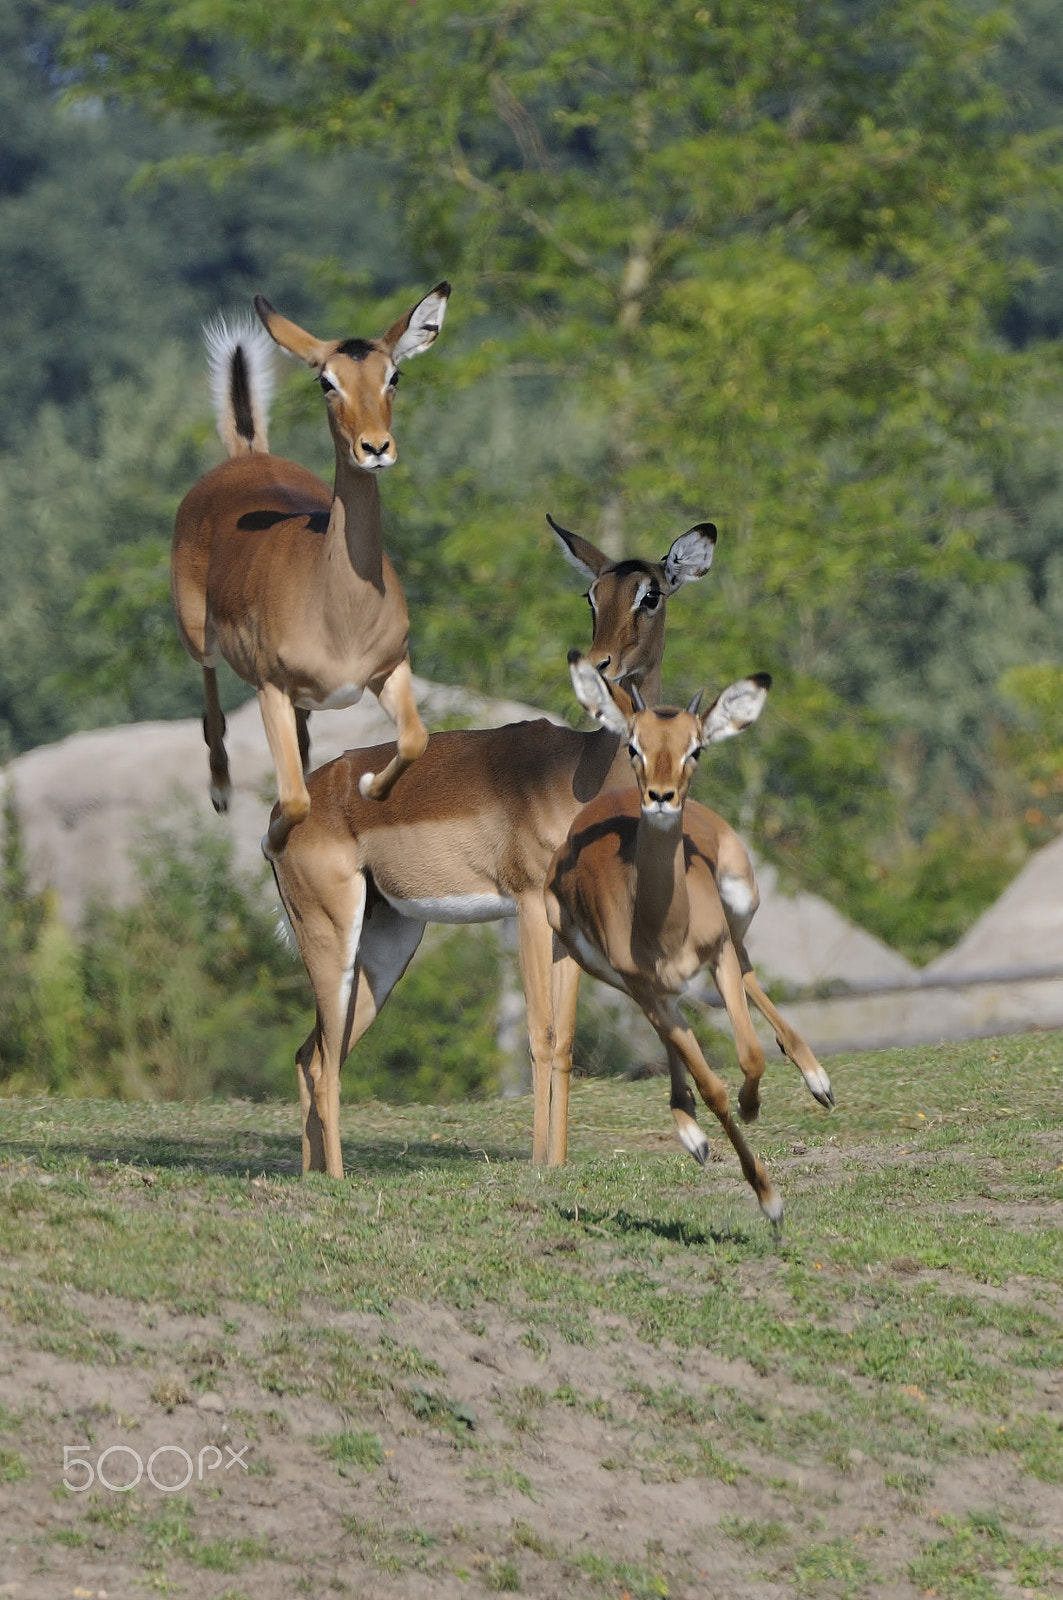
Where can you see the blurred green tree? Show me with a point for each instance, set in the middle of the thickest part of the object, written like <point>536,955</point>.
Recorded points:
<point>188,992</point>
<point>738,260</point>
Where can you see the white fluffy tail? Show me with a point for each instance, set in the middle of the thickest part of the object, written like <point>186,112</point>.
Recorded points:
<point>284,933</point>
<point>242,380</point>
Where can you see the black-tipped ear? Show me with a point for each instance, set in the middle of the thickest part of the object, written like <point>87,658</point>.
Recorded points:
<point>595,694</point>
<point>579,553</point>
<point>298,343</point>
<point>418,329</point>
<point>739,705</point>
<point>690,556</point>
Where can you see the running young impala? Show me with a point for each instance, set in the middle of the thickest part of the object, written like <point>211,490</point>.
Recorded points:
<point>468,836</point>
<point>285,579</point>
<point>632,894</point>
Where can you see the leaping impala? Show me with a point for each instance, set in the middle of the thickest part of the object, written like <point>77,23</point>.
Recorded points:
<point>288,581</point>
<point>632,894</point>
<point>468,836</point>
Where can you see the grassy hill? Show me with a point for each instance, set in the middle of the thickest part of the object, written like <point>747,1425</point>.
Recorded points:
<point>454,1374</point>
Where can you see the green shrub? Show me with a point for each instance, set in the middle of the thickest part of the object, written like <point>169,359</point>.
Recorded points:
<point>189,993</point>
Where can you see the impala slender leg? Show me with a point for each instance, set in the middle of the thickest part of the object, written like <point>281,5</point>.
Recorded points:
<point>684,1109</point>
<point>740,898</point>
<point>279,719</point>
<point>319,1097</point>
<point>302,729</point>
<point>728,975</point>
<point>677,1037</point>
<point>790,1042</point>
<point>535,943</point>
<point>307,1071</point>
<point>353,963</point>
<point>565,993</point>
<point>214,734</point>
<point>396,696</point>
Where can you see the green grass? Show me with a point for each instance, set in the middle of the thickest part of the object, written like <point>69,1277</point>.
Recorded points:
<point>358,1449</point>
<point>12,1466</point>
<point>905,1328</point>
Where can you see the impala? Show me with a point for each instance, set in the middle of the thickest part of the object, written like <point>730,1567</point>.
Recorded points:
<point>468,836</point>
<point>632,894</point>
<point>285,579</point>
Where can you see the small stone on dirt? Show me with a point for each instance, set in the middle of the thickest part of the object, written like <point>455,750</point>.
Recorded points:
<point>210,1402</point>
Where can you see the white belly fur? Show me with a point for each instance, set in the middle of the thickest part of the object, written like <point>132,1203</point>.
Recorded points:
<point>348,694</point>
<point>456,908</point>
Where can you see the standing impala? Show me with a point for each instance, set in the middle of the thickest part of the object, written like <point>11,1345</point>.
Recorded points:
<point>468,836</point>
<point>632,894</point>
<point>288,581</point>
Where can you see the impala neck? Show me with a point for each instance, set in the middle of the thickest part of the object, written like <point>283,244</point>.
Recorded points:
<point>661,913</point>
<point>353,544</point>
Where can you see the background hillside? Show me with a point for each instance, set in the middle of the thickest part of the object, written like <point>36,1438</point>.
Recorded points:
<point>790,268</point>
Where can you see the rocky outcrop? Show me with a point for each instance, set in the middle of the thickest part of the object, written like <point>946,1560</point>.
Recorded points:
<point>87,804</point>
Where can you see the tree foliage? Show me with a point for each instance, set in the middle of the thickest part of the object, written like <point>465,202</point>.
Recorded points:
<point>748,261</point>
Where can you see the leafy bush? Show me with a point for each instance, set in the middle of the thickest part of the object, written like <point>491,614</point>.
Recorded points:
<point>188,992</point>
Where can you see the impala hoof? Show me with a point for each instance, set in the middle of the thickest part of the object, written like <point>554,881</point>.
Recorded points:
<point>819,1086</point>
<point>771,1205</point>
<point>691,1137</point>
<point>367,787</point>
<point>749,1105</point>
<point>219,799</point>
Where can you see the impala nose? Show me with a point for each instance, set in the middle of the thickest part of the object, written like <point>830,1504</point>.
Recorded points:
<point>661,797</point>
<point>376,450</point>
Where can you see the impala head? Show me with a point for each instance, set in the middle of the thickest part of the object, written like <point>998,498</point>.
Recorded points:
<point>628,598</point>
<point>665,743</point>
<point>359,376</point>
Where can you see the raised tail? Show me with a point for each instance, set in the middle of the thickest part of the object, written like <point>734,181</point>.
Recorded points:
<point>240,362</point>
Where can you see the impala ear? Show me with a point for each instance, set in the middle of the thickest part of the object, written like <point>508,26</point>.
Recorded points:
<point>414,333</point>
<point>690,556</point>
<point>290,337</point>
<point>579,553</point>
<point>739,705</point>
<point>595,694</point>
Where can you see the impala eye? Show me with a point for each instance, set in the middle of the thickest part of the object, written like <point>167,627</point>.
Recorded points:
<point>327,385</point>
<point>651,601</point>
<point>393,381</point>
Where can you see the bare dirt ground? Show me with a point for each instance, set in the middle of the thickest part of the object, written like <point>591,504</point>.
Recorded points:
<point>547,1485</point>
